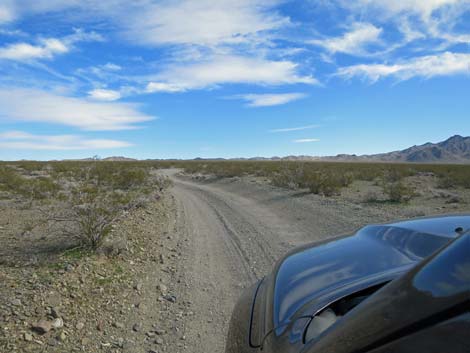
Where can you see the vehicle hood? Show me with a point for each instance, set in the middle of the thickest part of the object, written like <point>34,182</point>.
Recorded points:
<point>312,277</point>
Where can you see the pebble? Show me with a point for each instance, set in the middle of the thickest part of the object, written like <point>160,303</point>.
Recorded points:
<point>137,327</point>
<point>57,323</point>
<point>16,302</point>
<point>159,341</point>
<point>28,337</point>
<point>62,336</point>
<point>170,298</point>
<point>79,326</point>
<point>55,312</point>
<point>42,327</point>
<point>118,325</point>
<point>159,331</point>
<point>100,325</point>
<point>162,288</point>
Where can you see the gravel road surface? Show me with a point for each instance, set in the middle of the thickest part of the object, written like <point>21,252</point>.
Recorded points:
<point>233,233</point>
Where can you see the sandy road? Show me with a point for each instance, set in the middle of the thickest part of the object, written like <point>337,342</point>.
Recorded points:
<point>230,241</point>
<point>231,233</point>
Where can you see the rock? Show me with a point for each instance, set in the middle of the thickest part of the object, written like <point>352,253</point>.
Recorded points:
<point>150,334</point>
<point>162,288</point>
<point>16,302</point>
<point>137,327</point>
<point>100,325</point>
<point>79,326</point>
<point>159,331</point>
<point>118,325</point>
<point>28,337</point>
<point>42,327</point>
<point>55,312</point>
<point>62,336</point>
<point>170,298</point>
<point>138,286</point>
<point>57,323</point>
<point>159,341</point>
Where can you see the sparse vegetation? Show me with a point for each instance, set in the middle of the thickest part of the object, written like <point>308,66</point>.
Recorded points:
<point>80,199</point>
<point>329,178</point>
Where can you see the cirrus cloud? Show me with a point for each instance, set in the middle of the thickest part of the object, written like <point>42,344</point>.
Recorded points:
<point>355,41</point>
<point>308,140</point>
<point>26,141</point>
<point>444,64</point>
<point>228,69</point>
<point>35,105</point>
<point>102,94</point>
<point>269,99</point>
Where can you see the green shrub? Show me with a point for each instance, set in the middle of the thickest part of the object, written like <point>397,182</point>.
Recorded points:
<point>397,191</point>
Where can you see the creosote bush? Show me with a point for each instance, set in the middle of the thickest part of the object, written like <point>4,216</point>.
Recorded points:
<point>328,178</point>
<point>82,199</point>
<point>398,191</point>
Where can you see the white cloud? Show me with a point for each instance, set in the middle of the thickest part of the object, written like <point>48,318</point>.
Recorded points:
<point>39,106</point>
<point>104,94</point>
<point>6,12</point>
<point>46,48</point>
<point>298,128</point>
<point>228,69</point>
<point>111,67</point>
<point>424,8</point>
<point>355,41</point>
<point>25,141</point>
<point>153,87</point>
<point>202,22</point>
<point>24,51</point>
<point>444,64</point>
<point>305,140</point>
<point>266,100</point>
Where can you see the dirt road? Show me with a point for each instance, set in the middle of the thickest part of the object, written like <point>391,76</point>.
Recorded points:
<point>231,233</point>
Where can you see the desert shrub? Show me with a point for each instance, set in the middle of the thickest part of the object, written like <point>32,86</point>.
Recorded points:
<point>28,188</point>
<point>10,180</point>
<point>321,183</point>
<point>446,182</point>
<point>397,191</point>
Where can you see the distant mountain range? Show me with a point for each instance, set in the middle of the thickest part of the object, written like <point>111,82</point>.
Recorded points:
<point>453,150</point>
<point>456,150</point>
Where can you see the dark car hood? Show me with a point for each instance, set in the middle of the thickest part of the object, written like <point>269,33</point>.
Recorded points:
<point>313,276</point>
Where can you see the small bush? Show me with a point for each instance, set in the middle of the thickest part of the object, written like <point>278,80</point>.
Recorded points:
<point>397,191</point>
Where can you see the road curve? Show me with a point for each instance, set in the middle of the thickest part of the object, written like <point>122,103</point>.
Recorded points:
<point>230,232</point>
<point>230,242</point>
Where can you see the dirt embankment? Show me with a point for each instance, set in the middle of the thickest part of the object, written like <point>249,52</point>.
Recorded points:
<point>187,258</point>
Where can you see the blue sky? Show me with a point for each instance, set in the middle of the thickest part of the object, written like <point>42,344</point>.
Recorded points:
<point>230,78</point>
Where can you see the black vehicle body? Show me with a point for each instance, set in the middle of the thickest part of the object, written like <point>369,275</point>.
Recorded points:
<point>398,287</point>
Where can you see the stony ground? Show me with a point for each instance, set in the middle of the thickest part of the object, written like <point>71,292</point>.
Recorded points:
<point>176,266</point>
<point>98,303</point>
